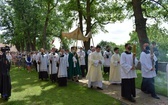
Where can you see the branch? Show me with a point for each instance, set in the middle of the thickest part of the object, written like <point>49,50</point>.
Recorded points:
<point>153,17</point>
<point>105,23</point>
<point>143,1</point>
<point>159,4</point>
<point>91,1</point>
<point>85,17</point>
<point>54,6</point>
<point>94,24</point>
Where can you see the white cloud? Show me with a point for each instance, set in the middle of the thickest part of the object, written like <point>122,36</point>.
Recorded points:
<point>117,33</point>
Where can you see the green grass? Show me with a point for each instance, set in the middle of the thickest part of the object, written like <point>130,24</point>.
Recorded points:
<point>160,82</point>
<point>28,90</point>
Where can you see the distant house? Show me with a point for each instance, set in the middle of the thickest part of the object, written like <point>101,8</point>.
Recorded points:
<point>12,47</point>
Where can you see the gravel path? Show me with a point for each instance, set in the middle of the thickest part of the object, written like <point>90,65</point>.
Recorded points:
<point>141,98</point>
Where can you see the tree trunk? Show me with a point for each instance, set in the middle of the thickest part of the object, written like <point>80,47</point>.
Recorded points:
<point>88,23</point>
<point>33,44</point>
<point>80,15</point>
<point>140,22</point>
<point>45,28</point>
<point>28,42</point>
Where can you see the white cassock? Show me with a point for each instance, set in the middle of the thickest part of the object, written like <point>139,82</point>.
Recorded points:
<point>94,74</point>
<point>115,73</point>
<point>107,58</point>
<point>54,58</point>
<point>146,65</point>
<point>63,64</point>
<point>126,62</point>
<point>81,56</point>
<point>128,76</point>
<point>43,59</point>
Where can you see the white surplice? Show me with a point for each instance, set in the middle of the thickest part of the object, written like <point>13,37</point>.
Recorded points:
<point>146,65</point>
<point>81,56</point>
<point>53,60</point>
<point>126,62</point>
<point>43,59</point>
<point>107,60</point>
<point>63,64</point>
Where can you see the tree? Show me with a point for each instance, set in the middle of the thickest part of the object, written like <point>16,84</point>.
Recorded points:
<point>159,35</point>
<point>150,9</point>
<point>92,14</point>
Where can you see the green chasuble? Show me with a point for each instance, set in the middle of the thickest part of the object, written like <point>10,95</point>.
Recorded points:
<point>77,70</point>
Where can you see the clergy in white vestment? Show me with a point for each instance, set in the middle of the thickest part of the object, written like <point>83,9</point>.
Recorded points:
<point>53,60</point>
<point>42,60</point>
<point>128,73</point>
<point>148,60</point>
<point>62,72</point>
<point>115,73</point>
<point>81,56</point>
<point>107,58</point>
<point>94,75</point>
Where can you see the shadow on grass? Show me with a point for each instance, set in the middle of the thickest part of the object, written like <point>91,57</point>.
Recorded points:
<point>28,90</point>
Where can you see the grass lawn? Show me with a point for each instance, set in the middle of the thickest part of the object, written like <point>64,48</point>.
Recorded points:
<point>160,82</point>
<point>28,90</point>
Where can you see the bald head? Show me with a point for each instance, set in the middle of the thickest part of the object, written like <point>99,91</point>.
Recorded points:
<point>146,46</point>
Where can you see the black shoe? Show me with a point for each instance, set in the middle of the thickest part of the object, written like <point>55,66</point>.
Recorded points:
<point>99,88</point>
<point>156,97</point>
<point>132,100</point>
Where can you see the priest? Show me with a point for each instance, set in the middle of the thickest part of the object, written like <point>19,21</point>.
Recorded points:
<point>115,73</point>
<point>128,73</point>
<point>94,74</point>
<point>71,63</point>
<point>62,71</point>
<point>148,60</point>
<point>53,60</point>
<point>42,60</point>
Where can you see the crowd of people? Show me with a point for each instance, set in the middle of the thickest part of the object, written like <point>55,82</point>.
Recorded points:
<point>60,66</point>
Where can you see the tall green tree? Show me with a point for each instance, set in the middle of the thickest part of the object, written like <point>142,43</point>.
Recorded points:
<point>92,15</point>
<point>142,10</point>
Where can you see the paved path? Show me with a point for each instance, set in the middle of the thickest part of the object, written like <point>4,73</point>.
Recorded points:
<point>141,98</point>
